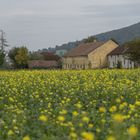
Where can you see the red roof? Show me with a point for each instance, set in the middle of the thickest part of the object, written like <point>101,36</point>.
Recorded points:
<point>42,64</point>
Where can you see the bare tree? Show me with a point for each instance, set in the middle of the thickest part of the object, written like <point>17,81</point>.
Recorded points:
<point>3,45</point>
<point>3,41</point>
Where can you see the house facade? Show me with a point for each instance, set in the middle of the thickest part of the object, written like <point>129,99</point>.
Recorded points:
<point>89,55</point>
<point>117,59</point>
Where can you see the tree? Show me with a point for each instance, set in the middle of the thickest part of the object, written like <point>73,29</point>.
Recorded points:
<point>2,56</point>
<point>90,39</point>
<point>3,41</point>
<point>19,57</point>
<point>119,65</point>
<point>35,56</point>
<point>3,45</point>
<point>22,57</point>
<point>50,56</point>
<point>133,50</point>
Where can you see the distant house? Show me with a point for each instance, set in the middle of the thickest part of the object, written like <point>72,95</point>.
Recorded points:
<point>61,52</point>
<point>43,64</point>
<point>117,59</point>
<point>89,55</point>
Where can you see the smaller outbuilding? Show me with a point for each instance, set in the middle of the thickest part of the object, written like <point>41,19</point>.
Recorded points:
<point>118,59</point>
<point>43,64</point>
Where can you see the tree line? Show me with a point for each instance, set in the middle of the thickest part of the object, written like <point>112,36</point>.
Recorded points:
<point>18,57</point>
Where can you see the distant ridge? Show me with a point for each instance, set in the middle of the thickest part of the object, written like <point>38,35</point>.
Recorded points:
<point>120,35</point>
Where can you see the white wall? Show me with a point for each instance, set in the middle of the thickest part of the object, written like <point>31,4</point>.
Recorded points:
<point>114,59</point>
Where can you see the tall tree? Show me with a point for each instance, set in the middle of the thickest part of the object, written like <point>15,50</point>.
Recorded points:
<point>133,50</point>
<point>3,41</point>
<point>22,57</point>
<point>2,56</point>
<point>19,57</point>
<point>3,45</point>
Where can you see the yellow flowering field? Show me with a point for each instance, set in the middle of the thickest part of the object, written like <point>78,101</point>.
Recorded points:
<point>70,105</point>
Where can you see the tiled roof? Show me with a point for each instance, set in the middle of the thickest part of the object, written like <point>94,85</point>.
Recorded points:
<point>42,64</point>
<point>83,49</point>
<point>118,51</point>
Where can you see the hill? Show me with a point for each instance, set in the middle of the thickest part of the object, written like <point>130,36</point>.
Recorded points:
<point>120,35</point>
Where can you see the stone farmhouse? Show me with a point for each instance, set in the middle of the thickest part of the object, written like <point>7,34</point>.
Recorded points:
<point>117,59</point>
<point>89,55</point>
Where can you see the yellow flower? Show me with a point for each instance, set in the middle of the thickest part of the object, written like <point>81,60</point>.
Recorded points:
<point>78,105</point>
<point>10,132</point>
<point>113,109</point>
<point>137,103</point>
<point>73,135</point>
<point>118,100</point>
<point>102,109</point>
<point>110,138</point>
<point>98,130</point>
<point>72,129</point>
<point>85,119</point>
<point>43,118</point>
<point>90,125</point>
<point>81,124</point>
<point>61,118</point>
<point>87,136</point>
<point>63,112</point>
<point>70,124</point>
<point>132,131</point>
<point>103,120</point>
<point>132,107</point>
<point>75,113</point>
<point>118,118</point>
<point>26,138</point>
<point>121,106</point>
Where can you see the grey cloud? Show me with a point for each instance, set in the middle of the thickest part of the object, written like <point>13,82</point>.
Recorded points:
<point>126,10</point>
<point>46,23</point>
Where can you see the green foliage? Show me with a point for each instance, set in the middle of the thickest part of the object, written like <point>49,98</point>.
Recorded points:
<point>133,50</point>
<point>19,57</point>
<point>50,56</point>
<point>2,57</point>
<point>119,65</point>
<point>89,65</point>
<point>90,39</point>
<point>35,56</point>
<point>22,57</point>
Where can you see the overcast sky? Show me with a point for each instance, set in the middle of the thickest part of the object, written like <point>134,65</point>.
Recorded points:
<point>46,23</point>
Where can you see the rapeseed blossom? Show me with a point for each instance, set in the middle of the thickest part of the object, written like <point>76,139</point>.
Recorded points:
<point>43,118</point>
<point>26,138</point>
<point>132,131</point>
<point>118,118</point>
<point>87,135</point>
<point>86,105</point>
